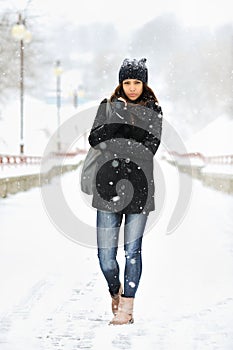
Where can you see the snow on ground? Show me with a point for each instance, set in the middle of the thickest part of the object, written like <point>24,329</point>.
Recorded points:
<point>53,295</point>
<point>214,139</point>
<point>18,170</point>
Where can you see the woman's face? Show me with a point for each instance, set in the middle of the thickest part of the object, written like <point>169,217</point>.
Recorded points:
<point>132,88</point>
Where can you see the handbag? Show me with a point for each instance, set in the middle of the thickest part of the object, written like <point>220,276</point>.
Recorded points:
<point>88,173</point>
<point>89,170</point>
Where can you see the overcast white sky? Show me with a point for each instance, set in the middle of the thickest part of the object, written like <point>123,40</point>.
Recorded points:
<point>132,14</point>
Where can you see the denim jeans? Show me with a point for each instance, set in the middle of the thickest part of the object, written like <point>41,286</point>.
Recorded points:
<point>108,228</point>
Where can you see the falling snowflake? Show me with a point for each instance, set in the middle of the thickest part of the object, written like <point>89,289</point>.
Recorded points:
<point>103,145</point>
<point>115,163</point>
<point>132,284</point>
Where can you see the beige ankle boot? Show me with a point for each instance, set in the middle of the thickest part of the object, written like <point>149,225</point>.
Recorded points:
<point>116,300</point>
<point>124,314</point>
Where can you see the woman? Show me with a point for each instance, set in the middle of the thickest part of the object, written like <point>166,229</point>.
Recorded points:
<point>127,130</point>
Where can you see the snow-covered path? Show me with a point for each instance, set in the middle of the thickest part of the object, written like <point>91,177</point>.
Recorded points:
<point>53,295</point>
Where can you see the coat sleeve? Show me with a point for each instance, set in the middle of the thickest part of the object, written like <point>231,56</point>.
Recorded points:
<point>153,137</point>
<point>102,131</point>
<point>146,148</point>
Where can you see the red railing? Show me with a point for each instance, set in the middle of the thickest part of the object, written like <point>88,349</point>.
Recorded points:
<point>69,154</point>
<point>9,159</point>
<point>194,158</point>
<point>6,159</point>
<point>225,159</point>
<point>200,159</point>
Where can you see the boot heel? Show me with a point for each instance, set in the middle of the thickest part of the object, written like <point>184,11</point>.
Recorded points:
<point>124,314</point>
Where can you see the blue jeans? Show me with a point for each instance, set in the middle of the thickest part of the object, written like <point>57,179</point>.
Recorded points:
<point>108,228</point>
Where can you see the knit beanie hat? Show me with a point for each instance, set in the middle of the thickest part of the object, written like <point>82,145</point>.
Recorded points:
<point>133,69</point>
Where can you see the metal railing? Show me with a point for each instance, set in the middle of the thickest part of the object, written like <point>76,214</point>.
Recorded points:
<point>13,183</point>
<point>212,171</point>
<point>197,158</point>
<point>6,159</point>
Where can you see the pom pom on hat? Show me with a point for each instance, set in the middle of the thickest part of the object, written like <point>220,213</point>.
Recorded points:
<point>133,69</point>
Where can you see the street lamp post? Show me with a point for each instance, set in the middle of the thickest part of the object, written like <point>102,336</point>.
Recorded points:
<point>58,72</point>
<point>20,33</point>
<point>75,98</point>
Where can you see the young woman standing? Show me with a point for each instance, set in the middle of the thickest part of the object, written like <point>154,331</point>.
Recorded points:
<point>128,133</point>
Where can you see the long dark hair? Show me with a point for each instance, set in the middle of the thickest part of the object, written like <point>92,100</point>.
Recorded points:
<point>147,95</point>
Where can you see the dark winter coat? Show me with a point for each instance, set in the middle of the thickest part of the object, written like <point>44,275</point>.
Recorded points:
<point>128,140</point>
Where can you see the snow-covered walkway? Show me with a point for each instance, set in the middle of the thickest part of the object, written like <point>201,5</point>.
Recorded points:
<point>53,295</point>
